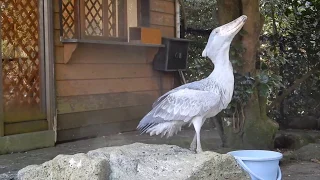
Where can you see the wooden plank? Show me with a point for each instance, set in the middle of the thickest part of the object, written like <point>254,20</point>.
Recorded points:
<point>26,141</point>
<point>56,6</point>
<point>23,115</point>
<point>103,86</point>
<point>158,18</point>
<point>1,93</point>
<point>59,54</point>
<point>49,66</point>
<point>57,41</point>
<point>168,81</point>
<point>102,54</point>
<point>103,71</point>
<point>1,121</point>
<point>166,31</point>
<point>25,127</point>
<point>162,6</point>
<point>97,130</point>
<point>44,44</point>
<point>82,119</point>
<point>56,21</point>
<point>72,104</point>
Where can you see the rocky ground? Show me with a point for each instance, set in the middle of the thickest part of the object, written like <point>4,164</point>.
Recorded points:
<point>302,164</point>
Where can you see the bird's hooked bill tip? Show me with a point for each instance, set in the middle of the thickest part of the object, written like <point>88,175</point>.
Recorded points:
<point>244,18</point>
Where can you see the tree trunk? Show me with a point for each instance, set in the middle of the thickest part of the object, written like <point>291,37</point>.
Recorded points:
<point>258,130</point>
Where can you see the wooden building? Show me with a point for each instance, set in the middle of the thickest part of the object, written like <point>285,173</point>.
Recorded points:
<point>75,69</point>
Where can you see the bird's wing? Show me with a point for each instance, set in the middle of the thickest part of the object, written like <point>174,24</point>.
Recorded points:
<point>181,105</point>
<point>196,85</point>
<point>185,104</point>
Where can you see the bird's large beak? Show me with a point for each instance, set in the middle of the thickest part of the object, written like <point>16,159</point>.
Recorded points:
<point>230,30</point>
<point>233,27</point>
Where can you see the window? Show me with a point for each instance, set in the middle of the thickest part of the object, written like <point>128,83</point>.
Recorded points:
<point>98,19</point>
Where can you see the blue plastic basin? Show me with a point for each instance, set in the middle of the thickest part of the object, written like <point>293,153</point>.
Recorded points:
<point>260,164</point>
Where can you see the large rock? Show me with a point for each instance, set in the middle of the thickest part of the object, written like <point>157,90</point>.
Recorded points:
<point>293,140</point>
<point>308,152</point>
<point>78,166</point>
<point>305,122</point>
<point>137,162</point>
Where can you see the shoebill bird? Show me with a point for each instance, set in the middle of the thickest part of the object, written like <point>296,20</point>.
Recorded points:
<point>194,102</point>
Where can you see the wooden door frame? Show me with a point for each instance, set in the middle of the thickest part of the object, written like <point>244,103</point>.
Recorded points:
<point>1,91</point>
<point>41,139</point>
<point>49,65</point>
<point>47,71</point>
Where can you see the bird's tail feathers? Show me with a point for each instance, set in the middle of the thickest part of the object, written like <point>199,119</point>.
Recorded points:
<point>167,129</point>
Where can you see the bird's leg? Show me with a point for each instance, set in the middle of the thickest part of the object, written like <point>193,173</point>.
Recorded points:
<point>197,123</point>
<point>193,144</point>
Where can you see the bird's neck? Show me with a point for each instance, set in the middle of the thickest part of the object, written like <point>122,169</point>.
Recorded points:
<point>222,64</point>
<point>222,76</point>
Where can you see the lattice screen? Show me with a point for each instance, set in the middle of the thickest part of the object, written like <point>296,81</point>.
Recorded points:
<point>20,53</point>
<point>100,17</point>
<point>68,8</point>
<point>93,11</point>
<point>112,18</point>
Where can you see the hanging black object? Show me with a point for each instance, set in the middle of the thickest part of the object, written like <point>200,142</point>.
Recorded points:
<point>173,57</point>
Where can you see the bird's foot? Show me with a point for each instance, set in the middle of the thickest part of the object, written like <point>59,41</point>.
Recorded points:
<point>193,146</point>
<point>199,150</point>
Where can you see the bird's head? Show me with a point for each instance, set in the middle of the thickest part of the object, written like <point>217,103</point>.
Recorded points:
<point>221,37</point>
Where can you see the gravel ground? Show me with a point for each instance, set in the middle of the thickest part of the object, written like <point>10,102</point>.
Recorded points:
<point>301,171</point>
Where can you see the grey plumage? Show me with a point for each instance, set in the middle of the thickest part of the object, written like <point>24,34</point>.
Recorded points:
<point>185,102</point>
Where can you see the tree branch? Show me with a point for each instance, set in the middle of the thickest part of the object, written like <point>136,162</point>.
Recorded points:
<point>297,82</point>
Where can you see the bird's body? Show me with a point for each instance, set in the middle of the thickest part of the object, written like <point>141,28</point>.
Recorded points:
<point>194,102</point>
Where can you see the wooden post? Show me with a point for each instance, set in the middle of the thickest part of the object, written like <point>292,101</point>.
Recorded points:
<point>1,89</point>
<point>49,65</point>
<point>42,57</point>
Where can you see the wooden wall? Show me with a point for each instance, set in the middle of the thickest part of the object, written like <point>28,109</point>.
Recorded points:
<point>106,89</point>
<point>162,16</point>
